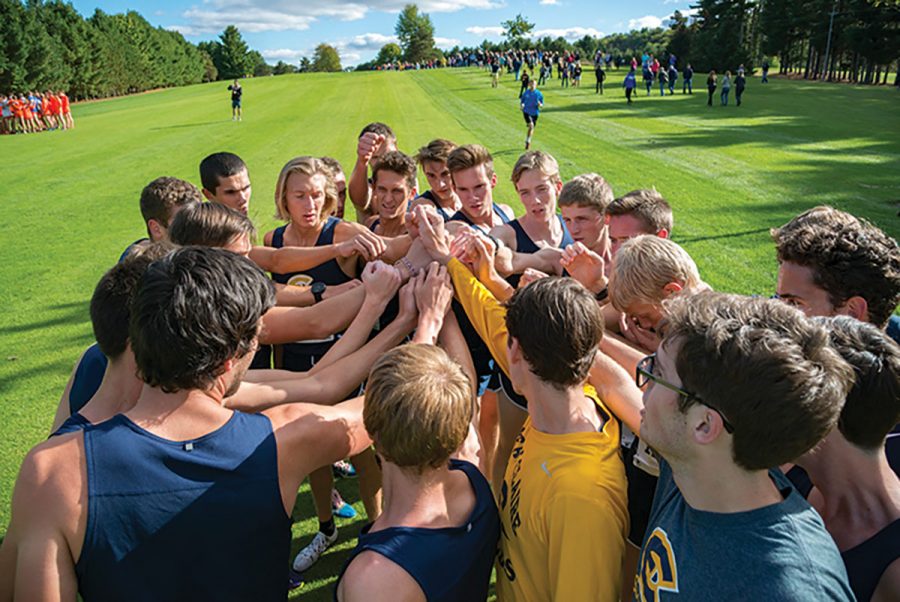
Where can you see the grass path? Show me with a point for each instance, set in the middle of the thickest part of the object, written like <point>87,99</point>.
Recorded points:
<point>69,200</point>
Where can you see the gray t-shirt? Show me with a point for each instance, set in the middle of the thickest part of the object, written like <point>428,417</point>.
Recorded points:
<point>779,552</point>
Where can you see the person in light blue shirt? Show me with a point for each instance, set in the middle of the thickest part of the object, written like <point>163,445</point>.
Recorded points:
<point>531,102</point>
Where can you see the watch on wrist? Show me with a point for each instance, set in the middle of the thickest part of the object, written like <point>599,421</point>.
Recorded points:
<point>602,295</point>
<point>318,289</point>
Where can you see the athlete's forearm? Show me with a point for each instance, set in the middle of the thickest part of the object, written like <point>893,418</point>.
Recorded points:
<point>358,189</point>
<point>292,259</point>
<point>290,324</point>
<point>288,295</point>
<point>356,334</point>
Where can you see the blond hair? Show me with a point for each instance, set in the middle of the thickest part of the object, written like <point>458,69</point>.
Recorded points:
<point>308,166</point>
<point>418,407</point>
<point>587,190</point>
<point>536,160</point>
<point>644,266</point>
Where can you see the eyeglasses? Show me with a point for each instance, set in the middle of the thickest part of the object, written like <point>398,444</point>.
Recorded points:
<point>644,374</point>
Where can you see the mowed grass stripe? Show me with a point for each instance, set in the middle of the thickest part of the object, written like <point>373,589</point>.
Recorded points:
<point>70,199</point>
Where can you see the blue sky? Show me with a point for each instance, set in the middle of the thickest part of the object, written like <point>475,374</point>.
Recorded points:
<point>289,29</point>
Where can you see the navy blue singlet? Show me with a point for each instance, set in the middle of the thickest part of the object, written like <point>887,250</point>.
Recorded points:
<point>481,356</point>
<point>75,422</point>
<point>184,520</point>
<point>429,196</point>
<point>449,564</point>
<point>867,562</point>
<point>459,216</point>
<point>88,376</point>
<point>301,356</point>
<point>524,244</point>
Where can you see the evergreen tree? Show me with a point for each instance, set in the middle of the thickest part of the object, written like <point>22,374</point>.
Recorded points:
<point>14,46</point>
<point>232,59</point>
<point>416,34</point>
<point>680,39</point>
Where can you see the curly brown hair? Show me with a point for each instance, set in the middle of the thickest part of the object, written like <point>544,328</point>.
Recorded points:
<point>848,256</point>
<point>397,162</point>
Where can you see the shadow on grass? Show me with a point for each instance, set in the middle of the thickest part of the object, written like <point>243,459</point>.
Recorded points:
<point>187,125</point>
<point>689,239</point>
<point>58,368</point>
<point>72,313</point>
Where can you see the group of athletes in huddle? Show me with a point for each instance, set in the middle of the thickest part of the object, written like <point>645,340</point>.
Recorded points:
<point>35,112</point>
<point>558,396</point>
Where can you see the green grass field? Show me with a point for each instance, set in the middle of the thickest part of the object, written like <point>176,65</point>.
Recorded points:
<point>70,200</point>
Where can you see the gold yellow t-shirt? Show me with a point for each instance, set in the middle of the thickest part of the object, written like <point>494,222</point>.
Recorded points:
<point>563,506</point>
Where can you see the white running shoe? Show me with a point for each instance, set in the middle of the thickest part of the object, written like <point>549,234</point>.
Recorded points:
<point>310,554</point>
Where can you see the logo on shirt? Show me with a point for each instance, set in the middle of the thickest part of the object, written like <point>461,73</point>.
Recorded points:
<point>300,280</point>
<point>658,572</point>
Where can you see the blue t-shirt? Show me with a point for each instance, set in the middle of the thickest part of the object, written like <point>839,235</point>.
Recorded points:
<point>778,552</point>
<point>532,101</point>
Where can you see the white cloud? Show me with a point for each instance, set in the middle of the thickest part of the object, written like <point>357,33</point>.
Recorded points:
<point>254,16</point>
<point>490,32</point>
<point>647,21</point>
<point>690,12</point>
<point>284,54</point>
<point>371,41</point>
<point>672,1</point>
<point>569,33</point>
<point>214,21</point>
<point>446,43</point>
<point>549,2</point>
<point>348,57</point>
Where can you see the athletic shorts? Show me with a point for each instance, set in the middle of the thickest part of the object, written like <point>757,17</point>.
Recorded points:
<point>530,119</point>
<point>235,104</point>
<point>506,385</point>
<point>641,489</point>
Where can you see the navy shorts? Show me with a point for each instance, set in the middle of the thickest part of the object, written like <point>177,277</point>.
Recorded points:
<point>530,119</point>
<point>235,104</point>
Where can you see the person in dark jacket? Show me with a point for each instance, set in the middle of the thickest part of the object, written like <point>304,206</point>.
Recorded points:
<point>711,86</point>
<point>739,84</point>
<point>687,80</point>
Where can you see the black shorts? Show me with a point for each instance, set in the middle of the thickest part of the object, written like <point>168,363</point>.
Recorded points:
<point>506,385</point>
<point>530,119</point>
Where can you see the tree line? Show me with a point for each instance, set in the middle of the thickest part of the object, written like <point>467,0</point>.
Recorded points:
<point>838,40</point>
<point>49,45</point>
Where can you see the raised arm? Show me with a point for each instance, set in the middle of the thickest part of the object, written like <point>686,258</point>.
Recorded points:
<point>485,313</point>
<point>326,386</point>
<point>358,185</point>
<point>380,282</point>
<point>617,389</point>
